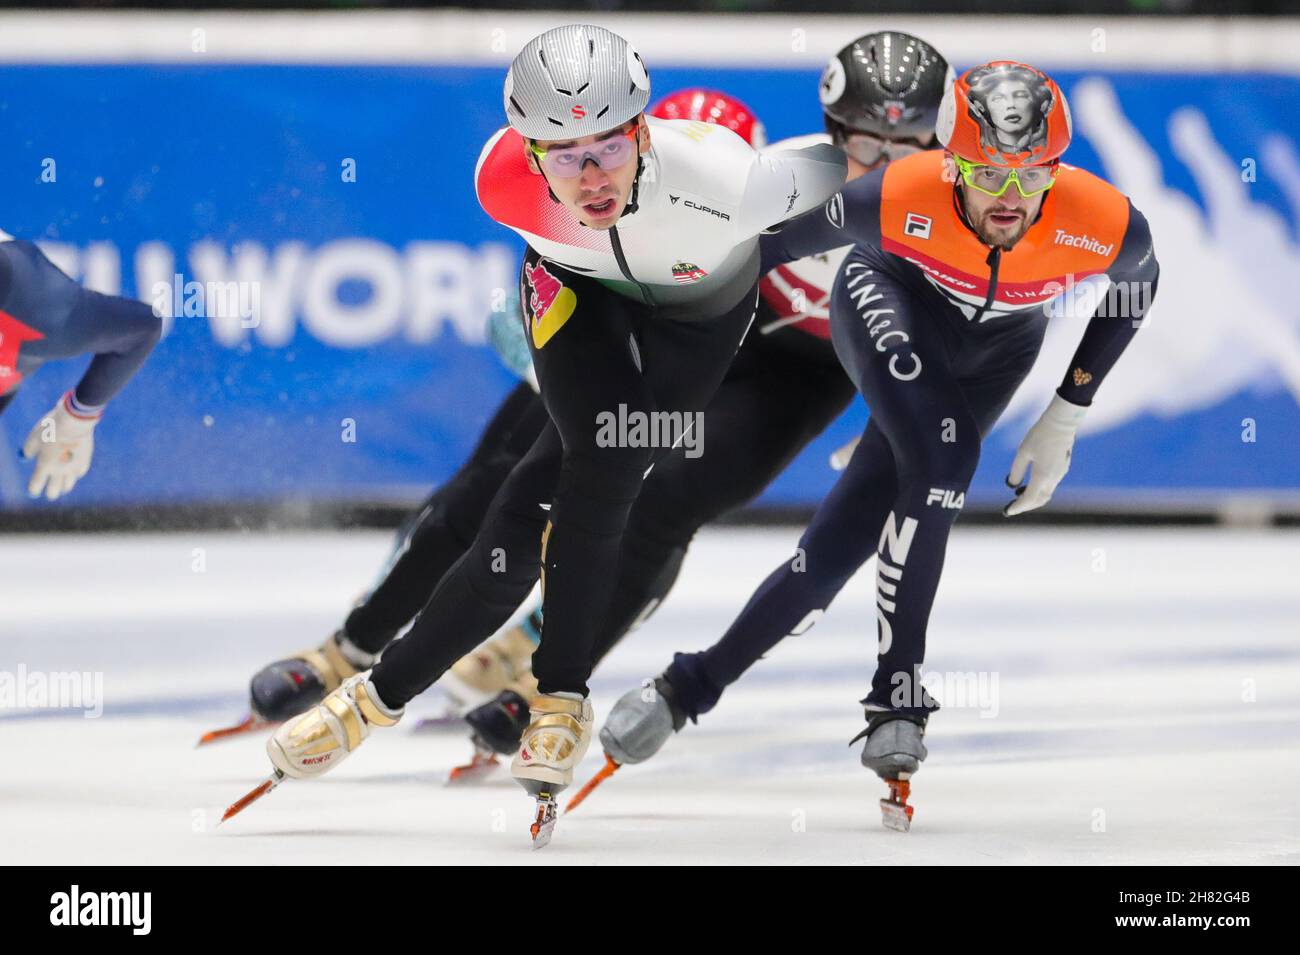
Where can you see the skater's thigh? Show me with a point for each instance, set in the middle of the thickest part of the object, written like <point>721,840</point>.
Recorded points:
<point>583,350</point>
<point>847,523</point>
<point>513,427</point>
<point>530,485</point>
<point>684,362</point>
<point>990,389</point>
<point>763,414</point>
<point>899,354</point>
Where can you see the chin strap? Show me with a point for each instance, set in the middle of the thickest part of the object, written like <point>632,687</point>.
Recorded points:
<point>636,187</point>
<point>959,203</point>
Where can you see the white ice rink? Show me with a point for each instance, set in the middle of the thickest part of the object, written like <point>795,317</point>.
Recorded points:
<point>1147,709</point>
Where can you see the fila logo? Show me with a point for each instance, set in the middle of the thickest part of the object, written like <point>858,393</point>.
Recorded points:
<point>917,226</point>
<point>954,500</point>
<point>578,112</point>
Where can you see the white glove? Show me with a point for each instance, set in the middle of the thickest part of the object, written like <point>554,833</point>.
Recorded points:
<point>62,443</point>
<point>840,458</point>
<point>1047,446</point>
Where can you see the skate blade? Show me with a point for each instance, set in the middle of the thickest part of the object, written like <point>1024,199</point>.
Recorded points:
<point>243,802</point>
<point>476,770</point>
<point>895,813</point>
<point>895,816</point>
<point>543,826</point>
<point>610,767</point>
<point>249,724</point>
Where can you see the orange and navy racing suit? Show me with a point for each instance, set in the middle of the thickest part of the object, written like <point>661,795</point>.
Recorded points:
<point>937,330</point>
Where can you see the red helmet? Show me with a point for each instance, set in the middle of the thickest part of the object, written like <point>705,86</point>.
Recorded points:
<point>710,106</point>
<point>1004,114</point>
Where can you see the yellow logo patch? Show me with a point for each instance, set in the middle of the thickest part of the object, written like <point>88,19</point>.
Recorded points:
<point>553,319</point>
<point>550,303</point>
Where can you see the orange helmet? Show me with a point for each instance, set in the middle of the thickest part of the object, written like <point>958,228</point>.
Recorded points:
<point>1004,114</point>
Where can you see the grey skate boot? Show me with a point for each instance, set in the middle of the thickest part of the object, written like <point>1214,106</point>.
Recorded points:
<point>636,728</point>
<point>894,751</point>
<point>641,722</point>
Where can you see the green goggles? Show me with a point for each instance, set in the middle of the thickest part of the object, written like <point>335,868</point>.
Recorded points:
<point>995,180</point>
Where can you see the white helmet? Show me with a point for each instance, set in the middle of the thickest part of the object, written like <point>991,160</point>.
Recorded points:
<point>575,80</point>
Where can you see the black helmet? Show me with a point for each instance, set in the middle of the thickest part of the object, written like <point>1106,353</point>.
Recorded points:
<point>888,84</point>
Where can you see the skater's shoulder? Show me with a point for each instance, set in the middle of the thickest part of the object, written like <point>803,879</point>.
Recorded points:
<point>501,167</point>
<point>508,190</point>
<point>704,160</point>
<point>1084,196</point>
<point>798,142</point>
<point>918,176</point>
<point>687,144</point>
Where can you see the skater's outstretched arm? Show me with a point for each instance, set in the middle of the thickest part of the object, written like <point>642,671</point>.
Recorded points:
<point>850,216</point>
<point>1134,276</point>
<point>51,317</point>
<point>784,184</point>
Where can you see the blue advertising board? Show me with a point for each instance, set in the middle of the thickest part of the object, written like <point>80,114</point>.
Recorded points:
<point>337,201</point>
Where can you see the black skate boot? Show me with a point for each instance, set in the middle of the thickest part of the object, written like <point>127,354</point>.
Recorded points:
<point>496,728</point>
<point>294,685</point>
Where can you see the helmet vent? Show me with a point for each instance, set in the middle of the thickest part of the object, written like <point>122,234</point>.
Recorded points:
<point>603,111</point>
<point>519,109</point>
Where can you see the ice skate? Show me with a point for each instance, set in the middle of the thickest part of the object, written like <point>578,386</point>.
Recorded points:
<point>553,744</point>
<point>325,735</point>
<point>894,751</point>
<point>306,747</point>
<point>290,686</point>
<point>503,662</point>
<point>496,728</point>
<point>636,728</point>
<point>251,723</point>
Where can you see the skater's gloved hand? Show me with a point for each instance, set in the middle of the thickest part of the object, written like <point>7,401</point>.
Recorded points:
<point>1047,447</point>
<point>62,443</point>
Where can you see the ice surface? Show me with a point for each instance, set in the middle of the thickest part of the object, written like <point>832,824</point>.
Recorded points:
<point>1147,710</point>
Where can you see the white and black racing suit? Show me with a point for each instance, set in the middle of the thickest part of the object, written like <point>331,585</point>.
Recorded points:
<point>631,330</point>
